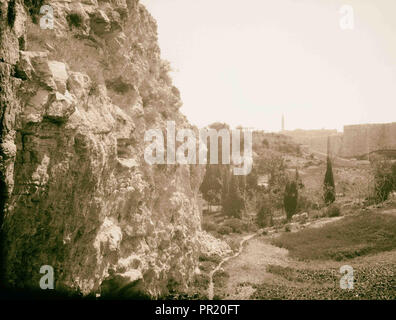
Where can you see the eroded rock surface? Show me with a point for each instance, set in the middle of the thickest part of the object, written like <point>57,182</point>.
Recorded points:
<point>76,191</point>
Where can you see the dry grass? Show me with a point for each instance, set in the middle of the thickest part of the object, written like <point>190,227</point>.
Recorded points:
<point>345,239</point>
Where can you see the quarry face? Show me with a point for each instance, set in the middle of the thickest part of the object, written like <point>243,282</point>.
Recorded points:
<point>76,193</point>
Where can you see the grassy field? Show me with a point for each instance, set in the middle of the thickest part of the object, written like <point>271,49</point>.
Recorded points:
<point>370,283</point>
<point>345,239</point>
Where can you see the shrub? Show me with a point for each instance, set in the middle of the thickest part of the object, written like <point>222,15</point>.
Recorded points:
<point>315,214</point>
<point>33,6</point>
<point>118,85</point>
<point>264,216</point>
<point>287,228</point>
<point>201,281</point>
<point>304,203</point>
<point>233,243</point>
<point>74,20</point>
<point>333,211</point>
<point>214,258</point>
<point>11,13</point>
<point>209,226</point>
<point>224,230</point>
<point>94,88</point>
<point>235,224</point>
<point>265,143</point>
<point>150,117</point>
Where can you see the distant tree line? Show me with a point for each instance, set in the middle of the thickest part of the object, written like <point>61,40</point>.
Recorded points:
<point>237,194</point>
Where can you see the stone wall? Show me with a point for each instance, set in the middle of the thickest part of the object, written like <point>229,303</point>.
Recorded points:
<point>360,140</point>
<point>355,141</point>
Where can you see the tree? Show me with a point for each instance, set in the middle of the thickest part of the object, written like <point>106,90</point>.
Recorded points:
<point>290,199</point>
<point>299,180</point>
<point>264,216</point>
<point>225,189</point>
<point>384,179</point>
<point>328,185</point>
<point>234,202</point>
<point>211,185</point>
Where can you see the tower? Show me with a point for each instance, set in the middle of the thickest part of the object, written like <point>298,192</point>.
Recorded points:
<point>328,147</point>
<point>283,123</point>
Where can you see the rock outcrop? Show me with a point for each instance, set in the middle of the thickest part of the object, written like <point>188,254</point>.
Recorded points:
<point>76,193</point>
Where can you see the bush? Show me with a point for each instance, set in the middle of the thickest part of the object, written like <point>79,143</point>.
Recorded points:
<point>287,228</point>
<point>304,204</point>
<point>265,143</point>
<point>214,258</point>
<point>233,243</point>
<point>384,179</point>
<point>333,211</point>
<point>209,226</point>
<point>315,214</point>
<point>74,20</point>
<point>118,85</point>
<point>264,216</point>
<point>33,7</point>
<point>150,117</point>
<point>235,224</point>
<point>224,230</point>
<point>94,89</point>
<point>11,13</point>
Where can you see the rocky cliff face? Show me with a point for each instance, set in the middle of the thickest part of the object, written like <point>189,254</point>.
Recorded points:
<point>76,192</point>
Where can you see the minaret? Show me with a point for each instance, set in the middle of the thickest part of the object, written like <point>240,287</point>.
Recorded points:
<point>328,147</point>
<point>283,123</point>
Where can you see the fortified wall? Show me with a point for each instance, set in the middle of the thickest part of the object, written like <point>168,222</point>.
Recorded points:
<point>357,140</point>
<point>360,140</point>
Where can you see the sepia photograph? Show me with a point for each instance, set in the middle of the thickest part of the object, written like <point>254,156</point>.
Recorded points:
<point>218,151</point>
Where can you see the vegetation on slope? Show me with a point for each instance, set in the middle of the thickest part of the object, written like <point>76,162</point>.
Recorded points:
<point>348,238</point>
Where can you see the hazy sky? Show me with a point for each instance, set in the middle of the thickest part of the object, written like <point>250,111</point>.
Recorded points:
<point>247,62</point>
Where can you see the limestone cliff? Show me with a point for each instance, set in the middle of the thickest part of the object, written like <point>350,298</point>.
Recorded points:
<point>76,192</point>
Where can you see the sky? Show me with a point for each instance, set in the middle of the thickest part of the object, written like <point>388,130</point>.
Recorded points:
<point>248,62</point>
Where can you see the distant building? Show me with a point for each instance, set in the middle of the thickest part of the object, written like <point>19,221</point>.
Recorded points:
<point>263,181</point>
<point>362,139</point>
<point>316,140</point>
<point>357,140</point>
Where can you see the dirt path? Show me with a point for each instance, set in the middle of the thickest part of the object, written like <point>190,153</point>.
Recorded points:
<point>211,285</point>
<point>248,267</point>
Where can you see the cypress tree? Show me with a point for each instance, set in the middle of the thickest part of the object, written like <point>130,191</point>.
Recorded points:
<point>328,185</point>
<point>234,201</point>
<point>225,189</point>
<point>211,185</point>
<point>290,198</point>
